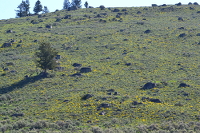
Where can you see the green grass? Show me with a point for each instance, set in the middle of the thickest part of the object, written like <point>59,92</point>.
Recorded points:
<point>160,56</point>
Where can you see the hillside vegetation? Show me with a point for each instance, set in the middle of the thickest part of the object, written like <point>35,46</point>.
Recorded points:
<point>106,58</point>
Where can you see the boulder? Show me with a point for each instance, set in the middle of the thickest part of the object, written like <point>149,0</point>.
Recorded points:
<point>87,96</point>
<point>139,12</point>
<point>17,115</point>
<point>195,3</point>
<point>154,5</point>
<point>147,31</point>
<point>105,105</point>
<point>148,85</point>
<point>116,10</point>
<point>49,26</point>
<point>154,100</point>
<point>68,17</point>
<point>85,70</point>
<point>76,75</point>
<point>102,113</point>
<point>77,65</point>
<point>102,7</point>
<point>182,35</point>
<point>5,45</point>
<point>136,103</point>
<point>183,85</point>
<point>128,64</point>
<point>180,18</point>
<point>198,34</point>
<point>9,31</point>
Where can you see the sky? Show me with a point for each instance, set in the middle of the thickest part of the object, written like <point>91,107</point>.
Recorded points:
<point>8,7</point>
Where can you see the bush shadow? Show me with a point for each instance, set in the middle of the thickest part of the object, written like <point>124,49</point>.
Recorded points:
<point>22,83</point>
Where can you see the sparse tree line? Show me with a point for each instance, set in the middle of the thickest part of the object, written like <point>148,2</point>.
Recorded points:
<point>24,7</point>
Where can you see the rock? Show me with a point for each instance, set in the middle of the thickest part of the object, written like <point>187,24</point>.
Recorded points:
<point>195,3</point>
<point>125,40</point>
<point>77,65</point>
<point>124,10</point>
<point>116,10</point>
<point>68,17</point>
<point>59,68</point>
<point>18,45</point>
<point>182,35</point>
<point>145,98</point>
<point>102,7</point>
<point>85,70</point>
<point>17,115</point>
<point>116,93</point>
<point>154,5</point>
<point>91,7</point>
<point>87,96</point>
<point>155,100</point>
<point>181,28</point>
<point>109,93</point>
<point>118,16</point>
<point>198,34</point>
<point>139,12</point>
<point>5,45</point>
<point>5,69</point>
<point>180,18</point>
<point>136,103</point>
<point>35,41</point>
<point>9,31</point>
<point>58,57</point>
<point>147,31</point>
<point>49,26</point>
<point>149,85</point>
<point>13,71</point>
<point>9,63</point>
<point>66,101</point>
<point>183,85</point>
<point>128,64</point>
<point>76,75</point>
<point>58,19</point>
<point>102,113</point>
<point>178,104</point>
<point>111,90</point>
<point>105,105</point>
<point>198,11</point>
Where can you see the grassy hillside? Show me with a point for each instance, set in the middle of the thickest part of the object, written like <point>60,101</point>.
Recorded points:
<point>125,49</point>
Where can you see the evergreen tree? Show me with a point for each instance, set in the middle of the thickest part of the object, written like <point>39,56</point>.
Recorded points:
<point>45,10</point>
<point>66,4</point>
<point>45,57</point>
<point>86,4</point>
<point>38,7</point>
<point>23,9</point>
<point>27,7</point>
<point>76,3</point>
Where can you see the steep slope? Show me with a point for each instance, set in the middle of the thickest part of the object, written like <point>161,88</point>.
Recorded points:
<point>124,47</point>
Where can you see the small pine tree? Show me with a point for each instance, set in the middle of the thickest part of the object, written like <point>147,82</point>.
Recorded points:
<point>38,7</point>
<point>86,4</point>
<point>45,10</point>
<point>66,4</point>
<point>23,9</point>
<point>76,3</point>
<point>45,57</point>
